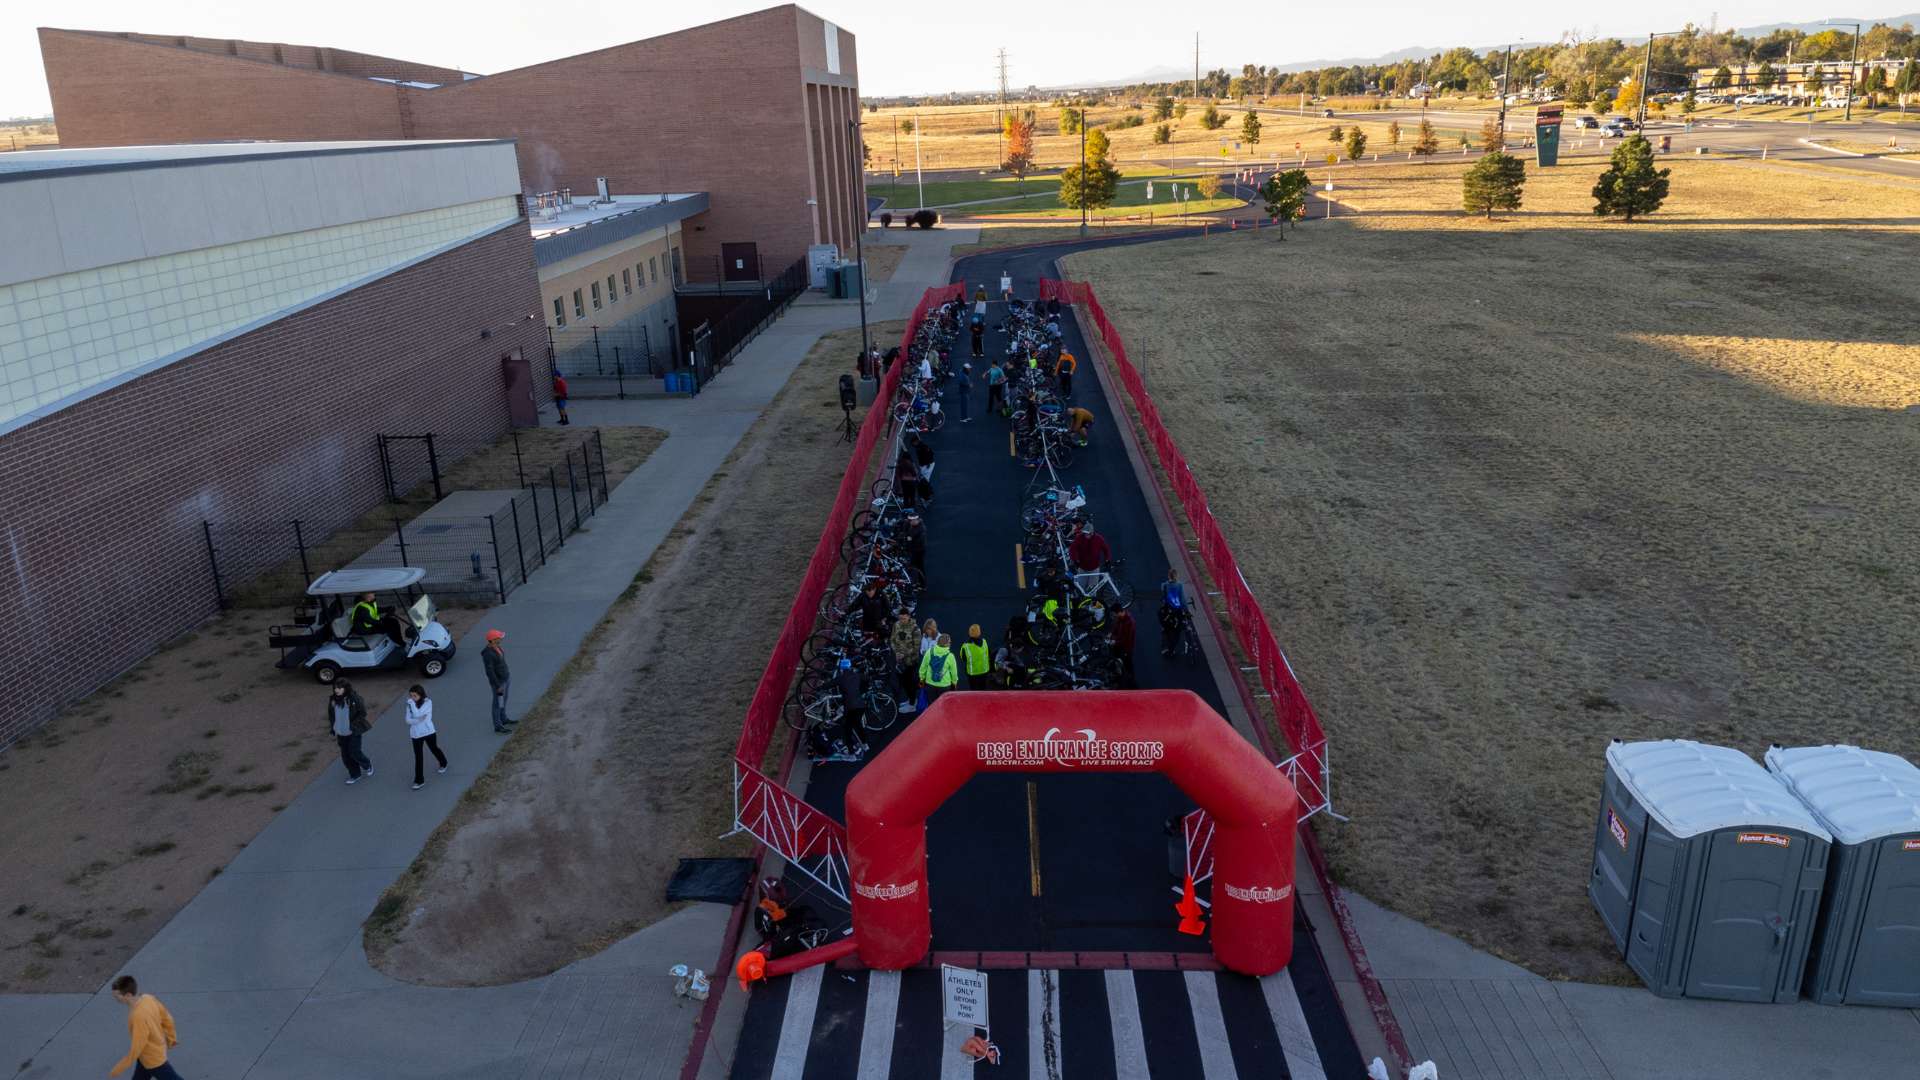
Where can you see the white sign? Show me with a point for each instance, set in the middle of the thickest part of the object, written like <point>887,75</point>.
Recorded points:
<point>1149,191</point>
<point>964,996</point>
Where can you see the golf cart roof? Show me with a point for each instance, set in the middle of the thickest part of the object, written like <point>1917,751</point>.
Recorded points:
<point>349,582</point>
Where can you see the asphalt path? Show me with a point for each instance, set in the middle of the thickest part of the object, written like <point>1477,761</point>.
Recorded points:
<point>1056,863</point>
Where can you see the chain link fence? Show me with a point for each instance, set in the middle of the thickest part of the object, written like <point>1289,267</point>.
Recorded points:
<point>477,514</point>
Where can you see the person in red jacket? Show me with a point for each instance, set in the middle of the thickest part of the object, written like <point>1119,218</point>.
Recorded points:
<point>1089,550</point>
<point>560,395</point>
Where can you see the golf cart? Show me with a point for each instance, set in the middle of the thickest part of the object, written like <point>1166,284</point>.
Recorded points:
<point>324,642</point>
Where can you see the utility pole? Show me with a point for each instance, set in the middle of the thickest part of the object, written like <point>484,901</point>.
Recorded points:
<point>1083,168</point>
<point>1506,91</point>
<point>919,177</point>
<point>860,231</point>
<point>1853,59</point>
<point>1196,64</point>
<point>1646,69</point>
<point>1000,110</point>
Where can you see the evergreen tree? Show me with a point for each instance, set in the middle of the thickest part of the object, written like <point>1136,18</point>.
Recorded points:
<point>1492,137</point>
<point>1180,111</point>
<point>1250,129</point>
<point>1393,133</point>
<point>1070,121</point>
<point>1101,181</point>
<point>1424,141</point>
<point>1211,119</point>
<point>1632,185</point>
<point>1337,134</point>
<point>1493,183</point>
<point>1765,76</point>
<point>1356,143</point>
<point>1163,134</point>
<point>1098,145</point>
<point>1689,103</point>
<point>1163,108</point>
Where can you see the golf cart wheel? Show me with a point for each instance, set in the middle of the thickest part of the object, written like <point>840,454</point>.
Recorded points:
<point>433,665</point>
<point>326,671</point>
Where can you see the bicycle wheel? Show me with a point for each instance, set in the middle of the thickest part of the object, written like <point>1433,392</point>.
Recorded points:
<point>1118,592</point>
<point>881,712</point>
<point>1059,456</point>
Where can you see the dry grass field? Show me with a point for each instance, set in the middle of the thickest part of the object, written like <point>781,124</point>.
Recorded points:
<point>965,137</point>
<point>28,135</point>
<point>1512,489</point>
<point>565,844</point>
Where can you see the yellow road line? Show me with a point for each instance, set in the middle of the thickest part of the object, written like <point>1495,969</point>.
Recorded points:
<point>1033,835</point>
<point>1010,452</point>
<point>1019,568</point>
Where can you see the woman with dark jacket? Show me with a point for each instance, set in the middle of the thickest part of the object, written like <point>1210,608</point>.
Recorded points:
<point>347,720</point>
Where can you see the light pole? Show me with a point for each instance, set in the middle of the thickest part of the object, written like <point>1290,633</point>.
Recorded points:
<point>1646,73</point>
<point>1083,167</point>
<point>1852,60</point>
<point>919,177</point>
<point>860,230</point>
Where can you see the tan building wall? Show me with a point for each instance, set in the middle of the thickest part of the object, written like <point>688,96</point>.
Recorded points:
<point>617,268</point>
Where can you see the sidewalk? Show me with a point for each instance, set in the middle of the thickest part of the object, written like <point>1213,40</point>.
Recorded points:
<point>1480,1018</point>
<point>264,969</point>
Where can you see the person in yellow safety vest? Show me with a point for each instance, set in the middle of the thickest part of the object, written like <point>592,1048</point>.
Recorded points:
<point>939,670</point>
<point>977,661</point>
<point>367,620</point>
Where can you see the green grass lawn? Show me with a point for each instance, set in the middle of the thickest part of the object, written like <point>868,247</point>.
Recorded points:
<point>1129,199</point>
<point>904,194</point>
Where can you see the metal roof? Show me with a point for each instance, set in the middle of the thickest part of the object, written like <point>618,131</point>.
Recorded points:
<point>1860,795</point>
<point>1692,788</point>
<point>617,225</point>
<point>378,579</point>
<point>42,164</point>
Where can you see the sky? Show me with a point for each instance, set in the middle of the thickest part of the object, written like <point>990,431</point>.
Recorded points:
<point>903,48</point>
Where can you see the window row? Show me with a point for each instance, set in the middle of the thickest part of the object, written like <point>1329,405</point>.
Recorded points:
<point>648,273</point>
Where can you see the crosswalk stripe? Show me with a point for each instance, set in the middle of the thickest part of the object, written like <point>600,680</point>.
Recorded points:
<point>1210,1026</point>
<point>955,1065</point>
<point>1043,1025</point>
<point>1290,1023</point>
<point>876,1037</point>
<point>796,1026</point>
<point>1129,1044</point>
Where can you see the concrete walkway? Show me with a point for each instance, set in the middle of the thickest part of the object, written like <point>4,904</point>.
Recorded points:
<point>264,969</point>
<point>1480,1018</point>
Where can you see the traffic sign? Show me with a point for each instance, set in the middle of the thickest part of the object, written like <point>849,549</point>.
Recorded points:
<point>963,996</point>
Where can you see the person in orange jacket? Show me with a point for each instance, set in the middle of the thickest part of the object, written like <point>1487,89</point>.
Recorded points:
<point>150,1026</point>
<point>1063,370</point>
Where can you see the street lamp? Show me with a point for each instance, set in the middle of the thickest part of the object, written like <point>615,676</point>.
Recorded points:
<point>1083,173</point>
<point>1852,60</point>
<point>860,231</point>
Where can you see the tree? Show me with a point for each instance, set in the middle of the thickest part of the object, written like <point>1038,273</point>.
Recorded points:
<point>1285,195</point>
<point>1424,141</point>
<point>1816,78</point>
<point>1602,104</point>
<point>866,155</point>
<point>1019,147</point>
<point>1632,185</point>
<point>1180,111</point>
<point>1163,108</point>
<point>1070,121</point>
<point>1628,99</point>
<point>1765,76</point>
<point>906,126</point>
<point>1211,119</point>
<point>1098,145</point>
<point>1163,134</point>
<point>1689,103</point>
<point>1209,186</point>
<point>1492,136</point>
<point>1337,134</point>
<point>1579,91</point>
<point>1097,182</point>
<point>1493,183</point>
<point>1873,85</point>
<point>1356,143</point>
<point>1250,129</point>
<point>1393,133</point>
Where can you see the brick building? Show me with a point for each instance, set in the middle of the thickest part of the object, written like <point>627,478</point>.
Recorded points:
<point>209,333</point>
<point>754,110</point>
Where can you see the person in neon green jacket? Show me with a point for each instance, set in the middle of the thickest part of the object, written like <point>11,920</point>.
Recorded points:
<point>977,660</point>
<point>939,669</point>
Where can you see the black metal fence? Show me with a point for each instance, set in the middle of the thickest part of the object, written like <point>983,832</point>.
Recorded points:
<point>628,357</point>
<point>712,345</point>
<point>478,554</point>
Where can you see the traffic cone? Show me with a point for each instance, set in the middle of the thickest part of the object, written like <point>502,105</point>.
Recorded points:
<point>1189,909</point>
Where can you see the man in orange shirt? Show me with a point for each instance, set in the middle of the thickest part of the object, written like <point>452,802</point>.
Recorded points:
<point>1063,370</point>
<point>150,1026</point>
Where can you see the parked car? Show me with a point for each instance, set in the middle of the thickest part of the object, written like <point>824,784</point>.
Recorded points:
<point>1613,131</point>
<point>1586,122</point>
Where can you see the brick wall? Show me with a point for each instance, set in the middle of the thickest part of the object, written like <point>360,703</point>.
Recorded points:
<point>721,108</point>
<point>101,515</point>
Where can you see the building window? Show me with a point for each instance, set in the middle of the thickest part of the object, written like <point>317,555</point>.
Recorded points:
<point>578,311</point>
<point>626,280</point>
<point>612,293</point>
<point>596,296</point>
<point>559,312</point>
<point>653,269</point>
<point>675,253</point>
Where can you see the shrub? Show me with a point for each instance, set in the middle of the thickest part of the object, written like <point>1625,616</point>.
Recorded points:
<point>923,218</point>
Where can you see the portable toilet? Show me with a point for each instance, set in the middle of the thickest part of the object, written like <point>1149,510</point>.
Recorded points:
<point>1866,950</point>
<point>1707,871</point>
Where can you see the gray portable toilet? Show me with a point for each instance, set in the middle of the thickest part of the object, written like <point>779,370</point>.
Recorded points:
<point>1707,871</point>
<point>1867,948</point>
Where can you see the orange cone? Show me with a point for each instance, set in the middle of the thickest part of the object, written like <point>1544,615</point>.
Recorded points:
<point>1189,909</point>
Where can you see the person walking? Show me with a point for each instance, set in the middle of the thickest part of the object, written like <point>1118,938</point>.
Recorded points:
<point>853,706</point>
<point>1123,630</point>
<point>347,719</point>
<point>560,395</point>
<point>1173,611</point>
<point>914,537</point>
<point>939,669</point>
<point>965,385</point>
<point>905,640</point>
<point>979,333</point>
<point>494,659</point>
<point>150,1029</point>
<point>980,303</point>
<point>996,377</point>
<point>1063,370</point>
<point>420,729</point>
<point>975,661</point>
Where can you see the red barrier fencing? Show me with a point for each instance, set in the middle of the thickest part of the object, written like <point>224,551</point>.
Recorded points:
<point>805,837</point>
<point>1298,723</point>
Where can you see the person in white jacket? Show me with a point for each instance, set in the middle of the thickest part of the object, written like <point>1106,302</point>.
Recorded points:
<point>420,729</point>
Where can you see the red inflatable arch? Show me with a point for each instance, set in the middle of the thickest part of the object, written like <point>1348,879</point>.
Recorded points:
<point>1171,732</point>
